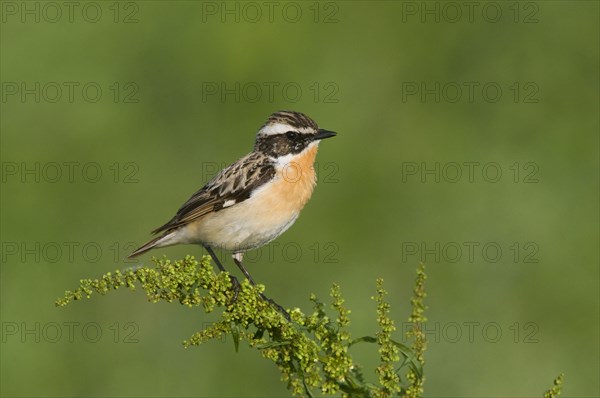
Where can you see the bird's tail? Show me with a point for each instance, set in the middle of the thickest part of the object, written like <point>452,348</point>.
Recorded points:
<point>145,247</point>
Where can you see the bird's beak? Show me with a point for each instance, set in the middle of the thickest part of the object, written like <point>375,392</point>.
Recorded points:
<point>322,134</point>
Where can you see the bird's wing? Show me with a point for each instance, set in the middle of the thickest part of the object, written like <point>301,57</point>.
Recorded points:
<point>231,186</point>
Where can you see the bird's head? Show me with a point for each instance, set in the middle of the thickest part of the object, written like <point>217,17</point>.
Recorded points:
<point>288,133</point>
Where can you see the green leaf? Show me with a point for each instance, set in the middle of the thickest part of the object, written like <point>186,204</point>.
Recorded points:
<point>415,365</point>
<point>306,389</point>
<point>364,339</point>
<point>235,333</point>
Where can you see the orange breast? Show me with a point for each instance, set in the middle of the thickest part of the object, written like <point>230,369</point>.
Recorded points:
<point>297,179</point>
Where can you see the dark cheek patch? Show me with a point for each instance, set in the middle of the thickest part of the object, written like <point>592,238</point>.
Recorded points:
<point>281,146</point>
<point>278,147</point>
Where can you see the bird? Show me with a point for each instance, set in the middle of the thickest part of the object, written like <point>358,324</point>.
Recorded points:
<point>254,200</point>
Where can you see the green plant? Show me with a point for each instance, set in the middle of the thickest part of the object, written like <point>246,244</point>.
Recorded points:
<point>311,351</point>
<point>556,389</point>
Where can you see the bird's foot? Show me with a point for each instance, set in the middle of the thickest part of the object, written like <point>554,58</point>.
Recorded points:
<point>277,307</point>
<point>236,287</point>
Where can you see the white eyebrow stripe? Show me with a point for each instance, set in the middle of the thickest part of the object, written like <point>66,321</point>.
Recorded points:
<point>274,129</point>
<point>280,128</point>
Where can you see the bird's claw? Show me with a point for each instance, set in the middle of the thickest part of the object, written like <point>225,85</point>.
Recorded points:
<point>236,287</point>
<point>277,306</point>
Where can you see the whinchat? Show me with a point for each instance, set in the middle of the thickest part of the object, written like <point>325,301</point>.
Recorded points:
<point>254,200</point>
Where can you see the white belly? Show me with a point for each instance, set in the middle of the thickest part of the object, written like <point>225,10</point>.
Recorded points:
<point>248,225</point>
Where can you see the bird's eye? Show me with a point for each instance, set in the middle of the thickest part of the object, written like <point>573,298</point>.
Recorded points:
<point>291,135</point>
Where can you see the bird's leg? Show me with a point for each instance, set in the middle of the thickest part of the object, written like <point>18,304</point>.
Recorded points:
<point>237,259</point>
<point>235,284</point>
<point>215,258</point>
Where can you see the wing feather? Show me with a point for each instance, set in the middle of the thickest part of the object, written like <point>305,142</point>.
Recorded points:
<point>234,183</point>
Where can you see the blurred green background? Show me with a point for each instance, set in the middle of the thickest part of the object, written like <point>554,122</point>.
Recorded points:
<point>156,96</point>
